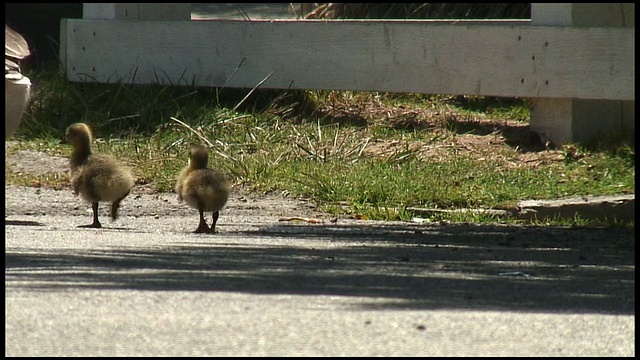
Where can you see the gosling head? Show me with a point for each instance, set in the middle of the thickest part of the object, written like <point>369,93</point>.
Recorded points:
<point>199,157</point>
<point>78,134</point>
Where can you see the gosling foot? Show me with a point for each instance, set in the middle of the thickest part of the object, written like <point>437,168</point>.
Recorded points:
<point>202,229</point>
<point>202,226</point>
<point>94,225</point>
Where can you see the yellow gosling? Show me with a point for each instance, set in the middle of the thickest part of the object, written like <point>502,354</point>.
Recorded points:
<point>203,188</point>
<point>96,177</point>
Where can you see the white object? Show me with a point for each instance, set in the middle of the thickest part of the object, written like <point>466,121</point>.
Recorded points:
<point>17,85</point>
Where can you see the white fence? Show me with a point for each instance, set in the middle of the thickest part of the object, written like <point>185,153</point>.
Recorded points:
<point>557,66</point>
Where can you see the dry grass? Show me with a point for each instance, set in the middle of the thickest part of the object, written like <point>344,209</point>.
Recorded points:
<point>421,11</point>
<point>452,132</point>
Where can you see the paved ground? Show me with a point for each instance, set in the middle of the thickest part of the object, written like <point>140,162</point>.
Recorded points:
<point>263,287</point>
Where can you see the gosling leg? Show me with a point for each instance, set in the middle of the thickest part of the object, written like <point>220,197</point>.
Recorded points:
<point>115,206</point>
<point>202,227</point>
<point>214,217</point>
<point>96,223</point>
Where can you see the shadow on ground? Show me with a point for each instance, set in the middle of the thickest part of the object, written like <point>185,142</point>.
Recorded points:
<point>22,223</point>
<point>412,267</point>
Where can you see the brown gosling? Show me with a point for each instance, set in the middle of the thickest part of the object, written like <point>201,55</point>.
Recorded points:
<point>203,188</point>
<point>96,177</point>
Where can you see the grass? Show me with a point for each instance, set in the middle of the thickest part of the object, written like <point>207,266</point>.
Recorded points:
<point>372,155</point>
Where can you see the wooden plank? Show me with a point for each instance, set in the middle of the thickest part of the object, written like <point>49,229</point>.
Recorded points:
<point>95,11</point>
<point>136,11</point>
<point>396,56</point>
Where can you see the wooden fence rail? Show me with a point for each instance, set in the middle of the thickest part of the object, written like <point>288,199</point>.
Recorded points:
<point>490,58</point>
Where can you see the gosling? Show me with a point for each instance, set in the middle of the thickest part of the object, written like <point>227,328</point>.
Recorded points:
<point>202,188</point>
<point>96,177</point>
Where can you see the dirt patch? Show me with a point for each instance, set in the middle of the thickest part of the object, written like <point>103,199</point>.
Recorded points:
<point>144,200</point>
<point>37,163</point>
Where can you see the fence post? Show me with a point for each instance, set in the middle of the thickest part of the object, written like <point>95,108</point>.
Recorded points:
<point>559,121</point>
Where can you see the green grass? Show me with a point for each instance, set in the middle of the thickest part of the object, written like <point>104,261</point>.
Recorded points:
<point>370,154</point>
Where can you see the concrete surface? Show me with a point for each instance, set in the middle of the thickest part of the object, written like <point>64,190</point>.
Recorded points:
<point>619,207</point>
<point>146,286</point>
